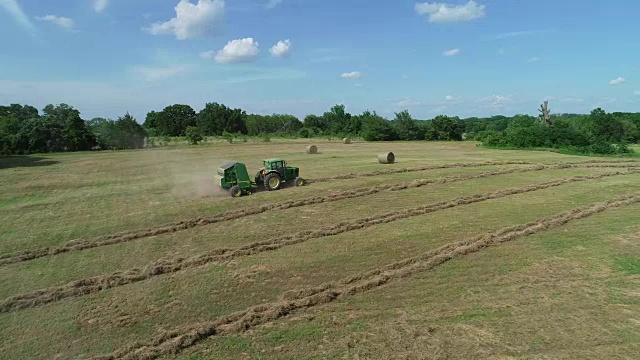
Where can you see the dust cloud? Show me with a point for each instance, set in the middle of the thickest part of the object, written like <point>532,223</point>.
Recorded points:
<point>194,178</point>
<point>197,185</point>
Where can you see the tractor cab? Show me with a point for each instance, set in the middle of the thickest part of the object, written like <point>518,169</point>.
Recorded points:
<point>275,171</point>
<point>277,165</point>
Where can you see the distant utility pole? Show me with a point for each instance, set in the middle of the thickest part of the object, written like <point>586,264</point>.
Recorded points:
<point>545,114</point>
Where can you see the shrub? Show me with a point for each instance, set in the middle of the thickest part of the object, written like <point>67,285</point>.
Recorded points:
<point>193,134</point>
<point>227,136</point>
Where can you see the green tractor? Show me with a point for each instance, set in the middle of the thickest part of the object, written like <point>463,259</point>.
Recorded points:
<point>234,177</point>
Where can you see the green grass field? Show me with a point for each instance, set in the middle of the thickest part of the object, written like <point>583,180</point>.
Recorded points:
<point>137,255</point>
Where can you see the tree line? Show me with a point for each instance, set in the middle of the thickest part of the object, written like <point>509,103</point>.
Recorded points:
<point>24,130</point>
<point>597,133</point>
<point>217,119</point>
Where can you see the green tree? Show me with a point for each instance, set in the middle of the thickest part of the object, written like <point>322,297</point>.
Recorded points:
<point>605,126</point>
<point>285,123</point>
<point>316,123</point>
<point>9,129</point>
<point>152,120</point>
<point>124,133</point>
<point>129,134</point>
<point>172,120</point>
<point>216,118</point>
<point>41,135</point>
<point>104,132</point>
<point>19,112</point>
<point>74,129</point>
<point>339,121</point>
<point>527,133</point>
<point>376,128</point>
<point>270,124</point>
<point>562,134</point>
<point>406,127</point>
<point>258,124</point>
<point>445,128</point>
<point>306,133</point>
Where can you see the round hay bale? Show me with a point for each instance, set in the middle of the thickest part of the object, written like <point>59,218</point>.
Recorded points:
<point>312,149</point>
<point>386,158</point>
<point>346,141</point>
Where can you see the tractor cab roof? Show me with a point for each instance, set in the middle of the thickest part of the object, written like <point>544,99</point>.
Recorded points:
<point>272,160</point>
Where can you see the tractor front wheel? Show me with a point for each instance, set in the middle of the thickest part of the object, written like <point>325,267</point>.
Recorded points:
<point>235,191</point>
<point>298,181</point>
<point>272,182</point>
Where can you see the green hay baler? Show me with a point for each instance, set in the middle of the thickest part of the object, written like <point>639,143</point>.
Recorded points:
<point>233,176</point>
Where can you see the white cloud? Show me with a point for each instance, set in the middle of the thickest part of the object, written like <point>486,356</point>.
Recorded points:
<point>533,59</point>
<point>272,3</point>
<point>451,52</point>
<point>572,100</point>
<point>448,100</point>
<point>442,12</point>
<point>439,109</point>
<point>61,21</point>
<point>236,51</point>
<point>100,5</point>
<point>500,100</point>
<point>208,55</point>
<point>496,101</point>
<point>520,33</point>
<point>260,74</point>
<point>324,59</point>
<point>618,81</point>
<point>14,9</point>
<point>351,75</point>
<point>407,102</point>
<point>282,48</point>
<point>192,20</point>
<point>158,73</point>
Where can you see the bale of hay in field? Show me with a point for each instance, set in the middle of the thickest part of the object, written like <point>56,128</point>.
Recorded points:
<point>312,149</point>
<point>346,140</point>
<point>386,158</point>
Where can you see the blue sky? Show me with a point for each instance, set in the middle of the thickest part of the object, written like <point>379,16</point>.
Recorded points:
<point>458,57</point>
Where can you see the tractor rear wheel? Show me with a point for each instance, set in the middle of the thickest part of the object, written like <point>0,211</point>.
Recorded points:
<point>298,181</point>
<point>235,191</point>
<point>272,181</point>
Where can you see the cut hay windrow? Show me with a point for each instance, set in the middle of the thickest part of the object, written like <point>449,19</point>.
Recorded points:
<point>122,237</point>
<point>603,161</point>
<point>462,165</point>
<point>165,266</point>
<point>175,340</point>
<point>416,169</point>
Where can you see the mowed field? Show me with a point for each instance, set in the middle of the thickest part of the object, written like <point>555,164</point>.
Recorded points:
<point>452,252</point>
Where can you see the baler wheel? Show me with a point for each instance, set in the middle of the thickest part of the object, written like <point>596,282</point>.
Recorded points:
<point>235,191</point>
